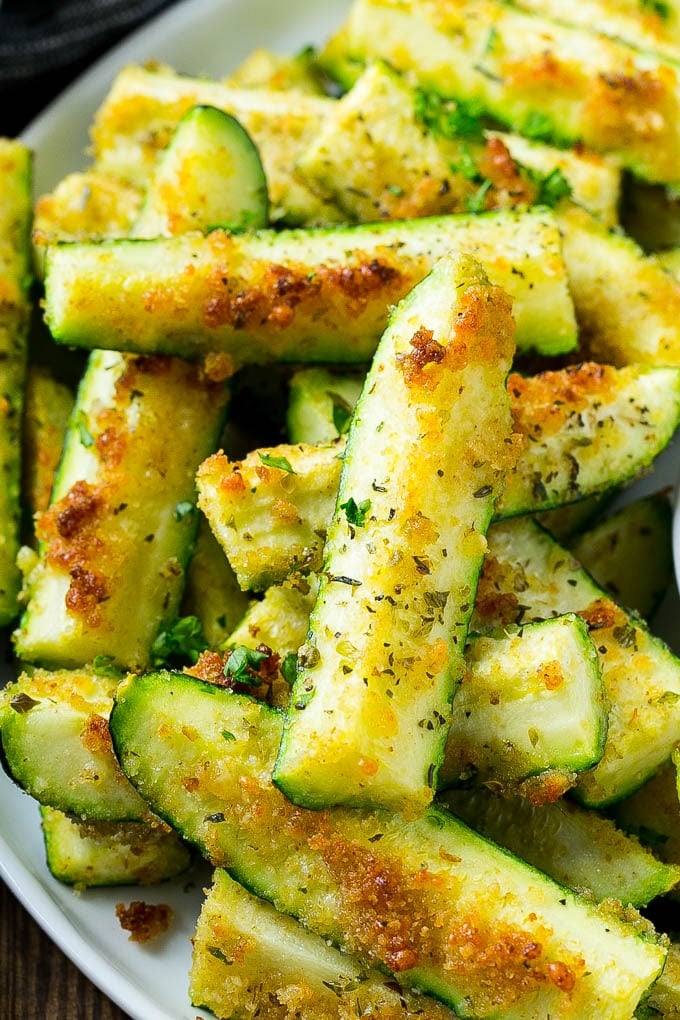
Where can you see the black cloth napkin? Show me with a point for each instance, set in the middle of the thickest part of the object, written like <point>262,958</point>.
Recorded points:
<point>45,44</point>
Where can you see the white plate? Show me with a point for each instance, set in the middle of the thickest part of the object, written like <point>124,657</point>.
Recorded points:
<point>207,37</point>
<point>150,982</point>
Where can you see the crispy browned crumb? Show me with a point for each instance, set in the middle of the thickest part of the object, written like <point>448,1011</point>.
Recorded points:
<point>144,921</point>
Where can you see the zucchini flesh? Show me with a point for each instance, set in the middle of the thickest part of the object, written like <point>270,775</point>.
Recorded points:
<point>633,324</point>
<point>87,205</point>
<point>630,553</point>
<point>47,409</point>
<point>212,593</point>
<point>538,77</point>
<point>15,278</point>
<point>212,163</point>
<point>99,553</point>
<point>246,953</point>
<point>316,295</point>
<point>105,854</point>
<point>528,576</point>
<point>370,881</point>
<point>594,426</point>
<point>588,428</point>
<point>529,703</point>
<point>67,710</point>
<point>263,69</point>
<point>576,847</point>
<point>320,404</point>
<point>404,549</point>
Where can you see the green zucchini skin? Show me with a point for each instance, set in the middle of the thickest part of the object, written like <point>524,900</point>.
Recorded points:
<point>213,164</point>
<point>202,756</point>
<point>16,175</point>
<point>535,75</point>
<point>68,710</point>
<point>94,854</point>
<point>651,815</point>
<point>122,519</point>
<point>664,997</point>
<point>404,549</point>
<point>320,404</point>
<point>316,295</point>
<point>528,576</point>
<point>247,954</point>
<point>578,848</point>
<point>595,426</point>
<point>630,553</point>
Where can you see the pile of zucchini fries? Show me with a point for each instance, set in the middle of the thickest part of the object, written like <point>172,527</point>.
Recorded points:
<point>321,580</point>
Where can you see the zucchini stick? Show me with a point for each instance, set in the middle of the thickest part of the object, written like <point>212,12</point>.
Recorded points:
<point>578,848</point>
<point>87,854</point>
<point>15,279</point>
<point>370,707</point>
<point>121,523</point>
<point>427,899</point>
<point>316,295</point>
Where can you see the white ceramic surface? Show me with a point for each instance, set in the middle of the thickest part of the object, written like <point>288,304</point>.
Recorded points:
<point>150,982</point>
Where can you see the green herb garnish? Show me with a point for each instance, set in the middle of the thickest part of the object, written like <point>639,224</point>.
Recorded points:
<point>356,514</point>
<point>180,643</point>
<point>289,668</point>
<point>447,118</point>
<point>551,188</point>
<point>278,462</point>
<point>537,125</point>
<point>243,664</point>
<point>342,412</point>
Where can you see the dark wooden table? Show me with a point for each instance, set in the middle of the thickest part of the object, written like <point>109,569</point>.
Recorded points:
<point>37,982</point>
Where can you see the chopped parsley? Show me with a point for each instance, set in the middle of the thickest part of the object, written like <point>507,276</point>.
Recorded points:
<point>289,668</point>
<point>278,462</point>
<point>537,125</point>
<point>356,514</point>
<point>342,412</point>
<point>180,643</point>
<point>475,203</point>
<point>243,664</point>
<point>466,165</point>
<point>447,118</point>
<point>551,188</point>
